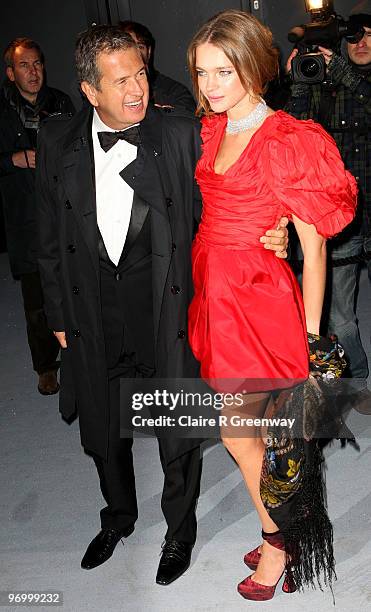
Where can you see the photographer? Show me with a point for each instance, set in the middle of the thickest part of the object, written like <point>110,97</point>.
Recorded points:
<point>342,104</point>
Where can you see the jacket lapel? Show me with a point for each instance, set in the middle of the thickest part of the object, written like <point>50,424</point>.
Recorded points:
<point>142,174</point>
<point>139,211</point>
<point>144,177</point>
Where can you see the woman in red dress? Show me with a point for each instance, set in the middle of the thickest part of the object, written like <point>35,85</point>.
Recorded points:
<point>248,320</point>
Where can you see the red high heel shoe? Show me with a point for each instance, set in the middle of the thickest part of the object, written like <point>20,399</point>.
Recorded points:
<point>252,558</point>
<point>249,589</point>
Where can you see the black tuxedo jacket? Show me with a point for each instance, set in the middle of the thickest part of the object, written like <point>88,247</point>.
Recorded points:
<point>163,176</point>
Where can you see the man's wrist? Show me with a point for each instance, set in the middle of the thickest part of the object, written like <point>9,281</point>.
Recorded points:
<point>339,71</point>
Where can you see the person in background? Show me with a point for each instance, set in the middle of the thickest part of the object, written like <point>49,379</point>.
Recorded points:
<point>165,91</point>
<point>342,104</point>
<point>25,101</point>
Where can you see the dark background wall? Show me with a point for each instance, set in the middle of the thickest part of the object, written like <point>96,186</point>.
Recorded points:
<point>55,24</point>
<point>174,21</point>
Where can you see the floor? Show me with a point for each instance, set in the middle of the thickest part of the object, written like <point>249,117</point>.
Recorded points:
<point>49,502</point>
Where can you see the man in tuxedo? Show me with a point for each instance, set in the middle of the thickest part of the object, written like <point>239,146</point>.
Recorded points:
<point>118,207</point>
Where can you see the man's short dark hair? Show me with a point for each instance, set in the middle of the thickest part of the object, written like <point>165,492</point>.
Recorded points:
<point>98,39</point>
<point>26,43</point>
<point>141,32</point>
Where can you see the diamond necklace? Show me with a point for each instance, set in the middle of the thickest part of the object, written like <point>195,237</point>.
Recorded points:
<point>250,121</point>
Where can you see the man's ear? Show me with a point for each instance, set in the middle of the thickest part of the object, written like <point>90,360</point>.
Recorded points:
<point>90,92</point>
<point>10,73</point>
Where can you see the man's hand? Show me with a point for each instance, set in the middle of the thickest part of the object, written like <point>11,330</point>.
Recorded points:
<point>327,54</point>
<point>20,161</point>
<point>61,337</point>
<point>293,54</point>
<point>277,239</point>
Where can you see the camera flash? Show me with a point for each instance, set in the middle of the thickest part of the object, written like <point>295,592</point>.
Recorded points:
<point>316,5</point>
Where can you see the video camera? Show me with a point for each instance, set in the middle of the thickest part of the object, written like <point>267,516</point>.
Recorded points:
<point>325,29</point>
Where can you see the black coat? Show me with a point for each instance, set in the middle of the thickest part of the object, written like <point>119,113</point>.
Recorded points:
<point>17,185</point>
<point>162,175</point>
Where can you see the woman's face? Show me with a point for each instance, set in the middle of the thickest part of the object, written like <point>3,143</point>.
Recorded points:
<point>219,82</point>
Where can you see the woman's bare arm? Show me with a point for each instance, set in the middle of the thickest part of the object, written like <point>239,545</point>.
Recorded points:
<point>314,272</point>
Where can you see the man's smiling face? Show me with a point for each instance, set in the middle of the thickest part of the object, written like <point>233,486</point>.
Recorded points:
<point>122,97</point>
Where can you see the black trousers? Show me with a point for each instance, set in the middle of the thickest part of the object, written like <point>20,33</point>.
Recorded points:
<point>43,344</point>
<point>117,479</point>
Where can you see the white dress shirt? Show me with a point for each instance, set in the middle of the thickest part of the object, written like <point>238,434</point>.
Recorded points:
<point>114,197</point>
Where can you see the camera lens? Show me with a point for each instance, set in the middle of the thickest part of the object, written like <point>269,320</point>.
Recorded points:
<point>310,67</point>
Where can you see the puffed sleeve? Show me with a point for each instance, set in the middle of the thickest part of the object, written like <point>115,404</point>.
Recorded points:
<point>209,125</point>
<point>307,175</point>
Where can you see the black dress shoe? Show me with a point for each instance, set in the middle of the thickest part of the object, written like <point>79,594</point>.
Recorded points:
<point>175,560</point>
<point>48,383</point>
<point>101,548</point>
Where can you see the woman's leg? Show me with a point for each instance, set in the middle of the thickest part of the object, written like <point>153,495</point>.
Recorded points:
<point>247,448</point>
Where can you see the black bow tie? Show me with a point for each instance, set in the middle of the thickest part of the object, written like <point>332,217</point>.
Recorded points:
<point>108,139</point>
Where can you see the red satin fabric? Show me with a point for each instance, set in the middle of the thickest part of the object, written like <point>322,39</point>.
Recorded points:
<point>246,320</point>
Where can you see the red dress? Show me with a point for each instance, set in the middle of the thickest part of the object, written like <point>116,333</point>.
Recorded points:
<point>246,320</point>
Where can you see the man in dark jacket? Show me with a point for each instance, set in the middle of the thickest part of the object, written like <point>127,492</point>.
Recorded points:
<point>25,101</point>
<point>118,207</point>
<point>165,91</point>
